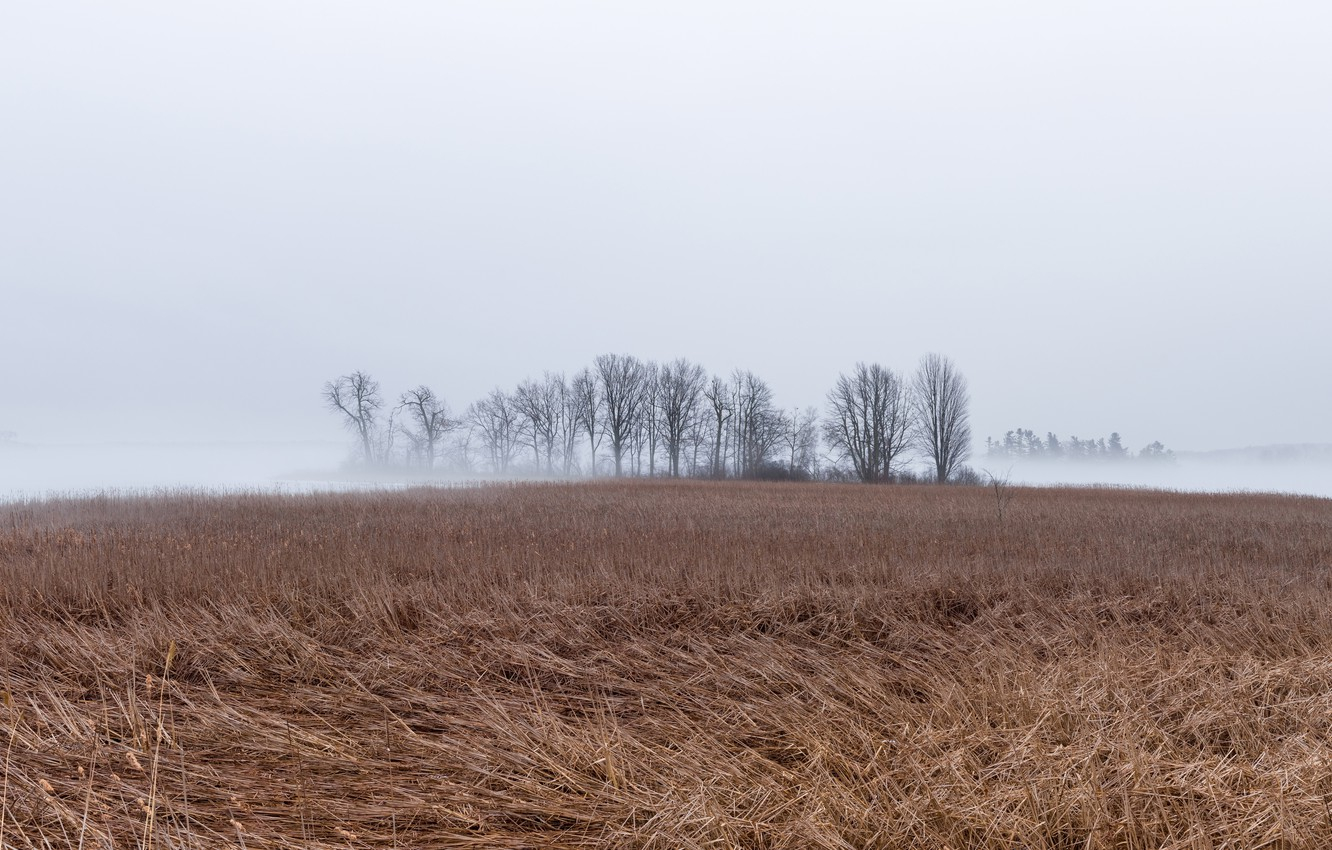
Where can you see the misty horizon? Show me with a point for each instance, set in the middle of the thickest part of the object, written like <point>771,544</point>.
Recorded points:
<point>1109,218</point>
<point>37,470</point>
<point>52,471</point>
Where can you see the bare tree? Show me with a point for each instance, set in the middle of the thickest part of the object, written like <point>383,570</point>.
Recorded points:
<point>496,421</point>
<point>758,425</point>
<point>570,424</point>
<point>649,419</point>
<point>430,417</point>
<point>941,402</point>
<point>620,378</point>
<point>679,389</point>
<point>388,438</point>
<point>586,393</point>
<point>718,396</point>
<point>539,405</point>
<point>800,443</point>
<point>696,440</point>
<point>356,397</point>
<point>459,451</point>
<point>868,421</point>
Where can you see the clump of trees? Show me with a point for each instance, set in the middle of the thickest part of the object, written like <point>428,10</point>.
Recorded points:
<point>1023,443</point>
<point>625,416</point>
<point>876,418</point>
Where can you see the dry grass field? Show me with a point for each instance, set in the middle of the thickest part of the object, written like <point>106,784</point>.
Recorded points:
<point>668,666</point>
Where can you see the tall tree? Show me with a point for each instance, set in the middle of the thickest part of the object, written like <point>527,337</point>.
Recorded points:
<point>620,378</point>
<point>356,397</point>
<point>718,396</point>
<point>649,418</point>
<point>758,424</point>
<point>388,438</point>
<point>800,443</point>
<point>679,389</point>
<point>586,392</point>
<point>539,405</point>
<point>496,420</point>
<point>570,424</point>
<point>868,420</point>
<point>430,420</point>
<point>941,402</point>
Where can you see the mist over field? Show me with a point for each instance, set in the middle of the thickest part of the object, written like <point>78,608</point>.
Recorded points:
<point>37,471</point>
<point>1192,471</point>
<point>41,471</point>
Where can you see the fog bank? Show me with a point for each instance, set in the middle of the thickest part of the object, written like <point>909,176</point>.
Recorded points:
<point>1280,469</point>
<point>29,471</point>
<point>32,471</point>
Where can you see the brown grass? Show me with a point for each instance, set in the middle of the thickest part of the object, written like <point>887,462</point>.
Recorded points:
<point>660,666</point>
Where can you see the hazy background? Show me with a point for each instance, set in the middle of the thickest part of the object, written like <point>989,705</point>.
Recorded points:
<point>1113,217</point>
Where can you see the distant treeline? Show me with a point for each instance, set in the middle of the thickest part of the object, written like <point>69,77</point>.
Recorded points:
<point>1022,443</point>
<point>625,416</point>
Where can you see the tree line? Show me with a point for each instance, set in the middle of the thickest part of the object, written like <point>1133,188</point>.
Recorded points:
<point>1024,443</point>
<point>625,416</point>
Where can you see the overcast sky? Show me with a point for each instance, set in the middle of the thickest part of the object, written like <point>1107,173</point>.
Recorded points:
<point>1112,216</point>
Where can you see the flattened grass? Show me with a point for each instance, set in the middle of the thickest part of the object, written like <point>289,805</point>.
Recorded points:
<point>668,665</point>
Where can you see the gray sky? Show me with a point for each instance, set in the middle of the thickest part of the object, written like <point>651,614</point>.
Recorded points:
<point>1111,216</point>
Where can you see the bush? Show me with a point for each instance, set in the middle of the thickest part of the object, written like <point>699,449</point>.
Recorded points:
<point>967,476</point>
